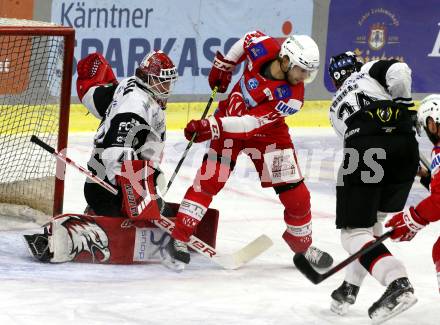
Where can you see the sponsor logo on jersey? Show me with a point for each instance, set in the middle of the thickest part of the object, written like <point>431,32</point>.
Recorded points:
<point>252,83</point>
<point>285,109</point>
<point>283,92</point>
<point>256,51</point>
<point>435,165</point>
<point>124,127</point>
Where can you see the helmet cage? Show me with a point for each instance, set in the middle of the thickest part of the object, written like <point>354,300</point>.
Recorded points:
<point>157,74</point>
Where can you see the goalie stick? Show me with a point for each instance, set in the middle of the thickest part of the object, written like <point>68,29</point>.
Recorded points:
<point>227,261</point>
<point>304,266</point>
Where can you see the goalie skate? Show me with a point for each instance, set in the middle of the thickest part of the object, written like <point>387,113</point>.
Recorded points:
<point>343,297</point>
<point>38,246</point>
<point>398,297</point>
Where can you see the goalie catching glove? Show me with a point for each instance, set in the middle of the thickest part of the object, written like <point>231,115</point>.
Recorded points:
<point>93,70</point>
<point>406,224</point>
<point>205,129</point>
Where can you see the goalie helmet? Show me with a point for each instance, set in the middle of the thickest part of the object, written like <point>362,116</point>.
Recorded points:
<point>341,67</point>
<point>429,107</point>
<point>303,52</point>
<point>157,74</point>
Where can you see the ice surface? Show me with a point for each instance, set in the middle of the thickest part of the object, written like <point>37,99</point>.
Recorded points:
<point>269,290</point>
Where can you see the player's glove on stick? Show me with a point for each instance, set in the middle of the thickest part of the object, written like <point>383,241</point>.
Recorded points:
<point>406,224</point>
<point>221,73</point>
<point>205,129</point>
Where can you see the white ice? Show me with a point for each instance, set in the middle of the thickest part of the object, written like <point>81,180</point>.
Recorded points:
<point>268,290</point>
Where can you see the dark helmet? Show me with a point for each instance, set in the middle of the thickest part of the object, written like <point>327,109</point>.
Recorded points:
<point>341,66</point>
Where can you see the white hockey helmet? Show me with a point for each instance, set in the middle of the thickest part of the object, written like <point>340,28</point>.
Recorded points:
<point>303,52</point>
<point>429,107</point>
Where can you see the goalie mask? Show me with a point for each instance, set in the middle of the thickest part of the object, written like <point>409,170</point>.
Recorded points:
<point>430,108</point>
<point>157,74</point>
<point>341,67</point>
<point>302,51</point>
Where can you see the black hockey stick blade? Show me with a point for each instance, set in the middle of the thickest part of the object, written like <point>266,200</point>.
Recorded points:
<point>304,266</point>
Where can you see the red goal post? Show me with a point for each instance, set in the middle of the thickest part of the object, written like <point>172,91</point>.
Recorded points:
<point>36,61</point>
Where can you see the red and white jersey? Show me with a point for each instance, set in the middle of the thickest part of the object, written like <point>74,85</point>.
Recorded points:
<point>256,105</point>
<point>429,208</point>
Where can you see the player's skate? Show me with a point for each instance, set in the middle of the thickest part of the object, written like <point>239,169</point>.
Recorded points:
<point>318,258</point>
<point>168,257</point>
<point>398,297</point>
<point>343,297</point>
<point>179,250</point>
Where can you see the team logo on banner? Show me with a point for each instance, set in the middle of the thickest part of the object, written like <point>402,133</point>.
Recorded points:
<point>377,36</point>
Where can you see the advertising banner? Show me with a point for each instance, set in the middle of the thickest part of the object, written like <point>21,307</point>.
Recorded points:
<point>375,29</point>
<point>189,31</point>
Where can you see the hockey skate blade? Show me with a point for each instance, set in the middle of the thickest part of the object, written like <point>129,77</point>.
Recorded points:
<point>245,254</point>
<point>340,308</point>
<point>406,301</point>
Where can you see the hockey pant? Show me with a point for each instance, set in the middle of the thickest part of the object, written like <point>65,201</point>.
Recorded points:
<point>285,178</point>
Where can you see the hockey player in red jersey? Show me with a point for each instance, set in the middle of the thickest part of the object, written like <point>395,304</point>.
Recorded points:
<point>407,223</point>
<point>251,120</point>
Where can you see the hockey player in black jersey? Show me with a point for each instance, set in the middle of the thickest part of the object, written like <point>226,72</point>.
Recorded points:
<point>370,113</point>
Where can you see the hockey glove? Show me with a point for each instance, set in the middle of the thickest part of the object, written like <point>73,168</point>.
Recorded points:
<point>206,129</point>
<point>93,70</point>
<point>406,224</point>
<point>221,73</point>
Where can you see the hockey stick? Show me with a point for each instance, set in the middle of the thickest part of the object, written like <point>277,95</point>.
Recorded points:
<point>70,162</point>
<point>190,143</point>
<point>227,261</point>
<point>304,266</point>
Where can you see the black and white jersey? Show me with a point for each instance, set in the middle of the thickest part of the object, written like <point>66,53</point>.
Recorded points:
<point>132,127</point>
<point>377,80</point>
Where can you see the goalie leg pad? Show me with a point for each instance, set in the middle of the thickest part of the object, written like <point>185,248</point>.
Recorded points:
<point>110,240</point>
<point>297,217</point>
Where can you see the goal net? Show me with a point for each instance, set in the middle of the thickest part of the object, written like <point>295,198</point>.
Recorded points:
<point>36,61</point>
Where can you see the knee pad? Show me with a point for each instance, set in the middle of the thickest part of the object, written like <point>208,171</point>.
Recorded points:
<point>354,239</point>
<point>296,203</point>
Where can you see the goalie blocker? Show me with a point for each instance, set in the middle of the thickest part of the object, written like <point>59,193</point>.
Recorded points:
<point>110,240</point>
